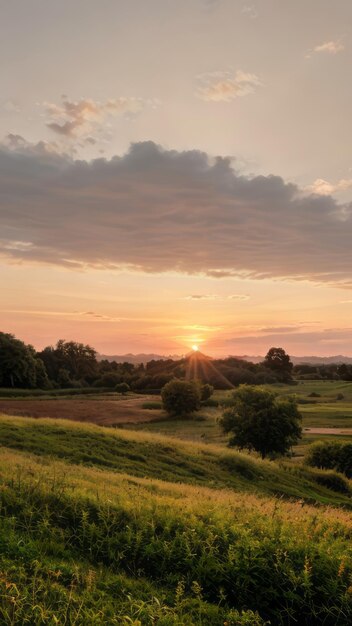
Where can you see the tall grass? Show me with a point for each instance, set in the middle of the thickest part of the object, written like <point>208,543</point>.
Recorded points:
<point>218,551</point>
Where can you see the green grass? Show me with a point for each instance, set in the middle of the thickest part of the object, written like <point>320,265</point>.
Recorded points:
<point>152,405</point>
<point>324,411</point>
<point>153,456</point>
<point>82,545</point>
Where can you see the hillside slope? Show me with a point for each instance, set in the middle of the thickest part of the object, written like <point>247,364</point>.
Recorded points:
<point>96,537</point>
<point>157,456</point>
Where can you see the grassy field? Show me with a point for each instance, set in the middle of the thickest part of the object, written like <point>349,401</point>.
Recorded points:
<point>323,410</point>
<point>90,534</point>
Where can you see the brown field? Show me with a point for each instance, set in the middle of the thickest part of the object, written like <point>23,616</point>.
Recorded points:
<point>105,411</point>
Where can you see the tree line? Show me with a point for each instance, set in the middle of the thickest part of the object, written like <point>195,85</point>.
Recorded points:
<point>70,364</point>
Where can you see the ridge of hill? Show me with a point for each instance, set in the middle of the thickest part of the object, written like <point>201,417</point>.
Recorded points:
<point>150,455</point>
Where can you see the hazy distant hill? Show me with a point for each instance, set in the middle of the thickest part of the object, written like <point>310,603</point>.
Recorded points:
<point>144,358</point>
<point>314,360</point>
<point>137,358</point>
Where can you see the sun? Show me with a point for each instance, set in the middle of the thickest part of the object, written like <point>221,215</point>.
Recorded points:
<point>195,348</point>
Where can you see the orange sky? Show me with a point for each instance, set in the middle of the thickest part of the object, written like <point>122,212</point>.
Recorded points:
<point>179,175</point>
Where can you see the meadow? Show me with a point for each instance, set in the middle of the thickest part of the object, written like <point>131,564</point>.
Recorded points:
<point>159,522</point>
<point>101,539</point>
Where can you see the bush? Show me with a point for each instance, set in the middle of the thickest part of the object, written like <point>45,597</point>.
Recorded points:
<point>206,391</point>
<point>122,388</point>
<point>340,396</point>
<point>314,394</point>
<point>180,397</point>
<point>331,455</point>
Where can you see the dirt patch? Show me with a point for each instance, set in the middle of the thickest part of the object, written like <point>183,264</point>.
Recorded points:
<point>104,411</point>
<point>328,431</point>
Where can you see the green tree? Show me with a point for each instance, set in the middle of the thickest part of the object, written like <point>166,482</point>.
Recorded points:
<point>18,367</point>
<point>279,362</point>
<point>258,420</point>
<point>180,397</point>
<point>122,388</point>
<point>331,455</point>
<point>78,359</point>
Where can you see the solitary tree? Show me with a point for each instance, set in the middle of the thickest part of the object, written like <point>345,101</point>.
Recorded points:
<point>279,362</point>
<point>180,397</point>
<point>258,420</point>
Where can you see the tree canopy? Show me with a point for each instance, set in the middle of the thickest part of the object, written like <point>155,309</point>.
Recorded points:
<point>180,397</point>
<point>279,362</point>
<point>258,420</point>
<point>19,364</point>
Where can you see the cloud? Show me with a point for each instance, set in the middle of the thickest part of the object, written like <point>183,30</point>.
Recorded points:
<point>330,47</point>
<point>72,118</point>
<point>155,210</point>
<point>225,87</point>
<point>324,188</point>
<point>300,342</point>
<point>99,317</point>
<point>235,296</point>
<point>239,296</point>
<point>281,329</point>
<point>327,47</point>
<point>250,11</point>
<point>201,296</point>
<point>10,106</point>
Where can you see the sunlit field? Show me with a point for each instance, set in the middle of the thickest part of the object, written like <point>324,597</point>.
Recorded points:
<point>105,526</point>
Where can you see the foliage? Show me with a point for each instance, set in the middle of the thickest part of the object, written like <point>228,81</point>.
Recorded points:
<point>122,388</point>
<point>258,420</point>
<point>279,362</point>
<point>206,391</point>
<point>331,455</point>
<point>19,365</point>
<point>76,360</point>
<point>180,397</point>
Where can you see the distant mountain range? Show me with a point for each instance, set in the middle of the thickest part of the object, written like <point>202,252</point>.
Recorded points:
<point>136,359</point>
<point>144,358</point>
<point>312,360</point>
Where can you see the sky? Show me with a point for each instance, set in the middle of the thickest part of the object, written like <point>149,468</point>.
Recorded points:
<point>177,172</point>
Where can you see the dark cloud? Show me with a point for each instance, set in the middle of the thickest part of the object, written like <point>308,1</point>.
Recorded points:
<point>155,210</point>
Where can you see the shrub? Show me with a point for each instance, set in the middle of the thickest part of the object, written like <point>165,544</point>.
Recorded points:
<point>180,397</point>
<point>206,391</point>
<point>331,455</point>
<point>122,388</point>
